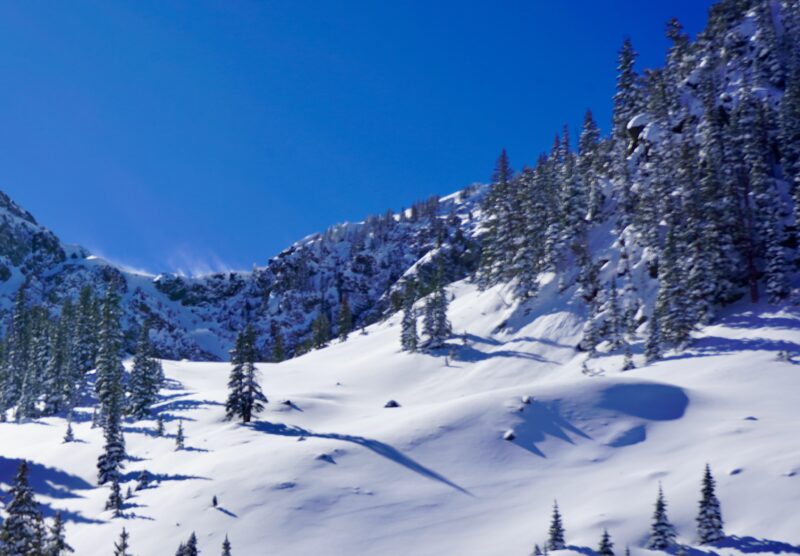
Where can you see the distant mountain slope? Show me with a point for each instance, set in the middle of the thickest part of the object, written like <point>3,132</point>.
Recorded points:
<point>197,317</point>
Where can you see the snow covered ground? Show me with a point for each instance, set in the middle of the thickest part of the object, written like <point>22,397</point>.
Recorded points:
<point>326,469</point>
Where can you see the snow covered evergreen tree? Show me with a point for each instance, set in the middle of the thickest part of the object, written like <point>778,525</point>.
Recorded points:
<point>409,339</point>
<point>19,534</point>
<point>436,324</point>
<point>57,541</point>
<point>606,547</point>
<point>180,439</point>
<point>122,546</point>
<point>555,539</point>
<point>344,320</point>
<point>662,533</point>
<point>189,548</point>
<point>108,382</point>
<point>146,378</point>
<point>226,547</point>
<point>709,515</point>
<point>245,398</point>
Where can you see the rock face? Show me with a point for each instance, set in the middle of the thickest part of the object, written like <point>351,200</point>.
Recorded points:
<point>197,318</point>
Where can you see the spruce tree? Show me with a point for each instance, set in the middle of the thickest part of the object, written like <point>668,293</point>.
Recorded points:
<point>146,379</point>
<point>344,321</point>
<point>111,460</point>
<point>121,547</point>
<point>189,548</point>
<point>69,436</point>
<point>409,339</point>
<point>245,398</point>
<point>108,382</point>
<point>57,542</point>
<point>555,540</point>
<point>160,425</point>
<point>115,500</point>
<point>180,439</point>
<point>709,515</point>
<point>226,547</point>
<point>606,547</point>
<point>278,351</point>
<point>662,533</point>
<point>19,533</point>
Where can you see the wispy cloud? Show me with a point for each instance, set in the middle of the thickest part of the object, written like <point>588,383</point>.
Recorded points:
<point>188,262</point>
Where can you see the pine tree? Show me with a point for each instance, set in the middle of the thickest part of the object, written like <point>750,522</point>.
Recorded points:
<point>57,542</point>
<point>115,500</point>
<point>160,425</point>
<point>497,249</point>
<point>321,330</point>
<point>709,516</point>
<point>146,379</point>
<point>606,547</point>
<point>17,348</point>
<point>19,533</point>
<point>436,324</point>
<point>226,547</point>
<point>108,382</point>
<point>143,481</point>
<point>179,437</point>
<point>344,321</point>
<point>111,460</point>
<point>278,351</point>
<point>555,539</point>
<point>189,548</point>
<point>409,339</point>
<point>662,533</point>
<point>537,551</point>
<point>121,547</point>
<point>69,436</point>
<point>627,99</point>
<point>652,346</point>
<point>245,398</point>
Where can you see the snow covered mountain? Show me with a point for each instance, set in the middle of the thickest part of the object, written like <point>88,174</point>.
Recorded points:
<point>621,315</point>
<point>198,317</point>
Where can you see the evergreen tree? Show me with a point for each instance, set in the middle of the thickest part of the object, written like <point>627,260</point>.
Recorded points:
<point>115,500</point>
<point>497,249</point>
<point>226,547</point>
<point>143,481</point>
<point>278,351</point>
<point>652,346</point>
<point>146,379</point>
<point>189,548</point>
<point>121,547</point>
<point>17,348</point>
<point>85,332</point>
<point>69,436</point>
<point>662,533</point>
<point>57,542</point>
<point>19,533</point>
<point>108,382</point>
<point>160,425</point>
<point>606,547</point>
<point>344,322</point>
<point>180,439</point>
<point>408,329</point>
<point>436,324</point>
<point>245,398</point>
<point>111,460</point>
<point>627,99</point>
<point>709,516</point>
<point>321,330</point>
<point>555,539</point>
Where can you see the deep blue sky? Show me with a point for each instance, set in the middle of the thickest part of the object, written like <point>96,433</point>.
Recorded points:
<point>200,135</point>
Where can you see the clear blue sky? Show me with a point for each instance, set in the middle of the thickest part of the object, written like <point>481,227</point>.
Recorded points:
<point>197,135</point>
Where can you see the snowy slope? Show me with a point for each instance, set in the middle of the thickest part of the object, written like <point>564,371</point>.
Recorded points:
<point>337,473</point>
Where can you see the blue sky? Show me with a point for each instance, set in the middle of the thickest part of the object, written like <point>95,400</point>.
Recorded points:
<point>195,136</point>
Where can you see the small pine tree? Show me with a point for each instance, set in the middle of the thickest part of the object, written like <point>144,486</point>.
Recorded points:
<point>226,547</point>
<point>606,547</point>
<point>179,437</point>
<point>662,533</point>
<point>709,516</point>
<point>189,548</point>
<point>115,500</point>
<point>143,481</point>
<point>652,345</point>
<point>121,547</point>
<point>627,362</point>
<point>69,436</point>
<point>160,426</point>
<point>145,380</point>
<point>214,501</point>
<point>57,542</point>
<point>555,539</point>
<point>537,551</point>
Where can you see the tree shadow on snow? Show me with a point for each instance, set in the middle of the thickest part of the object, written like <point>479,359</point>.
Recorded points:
<point>540,421</point>
<point>753,545</point>
<point>715,345</point>
<point>45,481</point>
<point>380,448</point>
<point>185,405</point>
